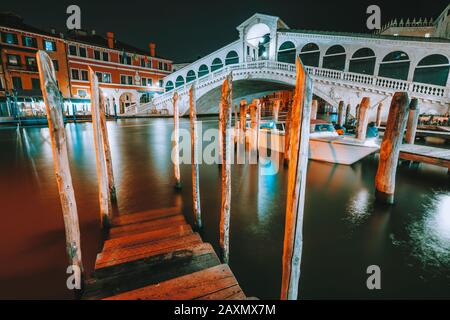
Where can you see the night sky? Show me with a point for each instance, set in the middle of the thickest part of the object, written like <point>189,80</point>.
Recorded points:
<point>185,30</point>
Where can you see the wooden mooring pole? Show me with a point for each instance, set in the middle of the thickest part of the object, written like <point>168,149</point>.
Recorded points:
<point>287,132</point>
<point>53,106</point>
<point>298,165</point>
<point>243,120</point>
<point>390,148</point>
<point>102,172</point>
<point>379,110</point>
<point>236,124</point>
<point>347,114</point>
<point>227,94</point>
<point>413,119</point>
<point>363,119</point>
<point>276,110</point>
<point>340,121</point>
<point>175,138</point>
<point>314,107</point>
<point>195,160</point>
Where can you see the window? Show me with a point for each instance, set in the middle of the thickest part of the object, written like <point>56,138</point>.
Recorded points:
<point>107,77</point>
<point>82,51</point>
<point>143,62</point>
<point>125,59</point>
<point>17,83</point>
<point>105,56</point>
<point>49,45</point>
<point>149,82</point>
<point>99,76</point>
<point>9,38</point>
<point>13,60</point>
<point>82,93</point>
<point>126,79</point>
<point>31,63</point>
<point>72,50</point>
<point>160,83</point>
<point>35,84</point>
<point>286,52</point>
<point>144,81</point>
<point>96,55</point>
<point>29,41</point>
<point>55,65</point>
<point>160,65</point>
<point>75,74</point>
<point>84,75</point>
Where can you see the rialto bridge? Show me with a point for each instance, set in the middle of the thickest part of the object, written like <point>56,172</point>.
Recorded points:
<point>343,66</point>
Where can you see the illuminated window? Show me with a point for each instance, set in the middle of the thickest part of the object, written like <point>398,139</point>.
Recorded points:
<point>49,45</point>
<point>29,41</point>
<point>9,38</point>
<point>13,60</point>
<point>107,77</point>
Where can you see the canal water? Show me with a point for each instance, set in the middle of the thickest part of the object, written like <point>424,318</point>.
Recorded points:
<point>344,230</point>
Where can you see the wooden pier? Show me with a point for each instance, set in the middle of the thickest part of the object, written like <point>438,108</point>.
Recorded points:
<point>156,255</point>
<point>425,154</point>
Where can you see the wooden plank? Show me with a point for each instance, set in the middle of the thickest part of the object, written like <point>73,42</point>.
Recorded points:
<point>114,257</point>
<point>150,270</point>
<point>132,218</point>
<point>224,239</point>
<point>230,293</point>
<point>298,166</point>
<point>146,237</point>
<point>431,155</point>
<point>193,286</point>
<point>54,107</point>
<point>147,226</point>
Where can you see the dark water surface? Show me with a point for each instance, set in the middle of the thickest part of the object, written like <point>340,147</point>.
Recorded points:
<point>344,231</point>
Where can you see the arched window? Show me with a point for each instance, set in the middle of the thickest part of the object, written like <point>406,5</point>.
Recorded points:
<point>432,69</point>
<point>169,86</point>
<point>203,70</point>
<point>190,76</point>
<point>334,58</point>
<point>310,55</point>
<point>216,64</point>
<point>179,82</point>
<point>286,52</point>
<point>363,61</point>
<point>395,65</point>
<point>231,58</point>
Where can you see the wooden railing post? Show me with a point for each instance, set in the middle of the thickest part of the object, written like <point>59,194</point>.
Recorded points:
<point>194,159</point>
<point>340,121</point>
<point>53,106</point>
<point>175,138</point>
<point>102,174</point>
<point>227,94</point>
<point>379,110</point>
<point>413,119</point>
<point>298,165</point>
<point>390,148</point>
<point>363,119</point>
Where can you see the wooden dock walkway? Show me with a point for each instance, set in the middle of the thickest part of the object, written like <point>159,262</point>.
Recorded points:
<point>156,255</point>
<point>426,154</point>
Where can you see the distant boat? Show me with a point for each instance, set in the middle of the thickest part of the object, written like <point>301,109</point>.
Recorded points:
<point>325,144</point>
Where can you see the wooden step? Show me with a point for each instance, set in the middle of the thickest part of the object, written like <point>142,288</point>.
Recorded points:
<point>150,270</point>
<point>132,218</point>
<point>119,231</point>
<point>216,282</point>
<point>110,258</point>
<point>147,237</point>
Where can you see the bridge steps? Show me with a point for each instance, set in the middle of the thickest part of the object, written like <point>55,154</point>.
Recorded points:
<point>156,255</point>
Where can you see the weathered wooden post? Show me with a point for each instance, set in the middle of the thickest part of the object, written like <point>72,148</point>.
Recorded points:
<point>287,129</point>
<point>347,114</point>
<point>340,121</point>
<point>258,124</point>
<point>102,174</point>
<point>53,107</point>
<point>194,159</point>
<point>253,123</point>
<point>276,110</point>
<point>357,112</point>
<point>363,119</point>
<point>227,94</point>
<point>413,119</point>
<point>236,124</point>
<point>314,107</point>
<point>390,148</point>
<point>107,148</point>
<point>379,110</point>
<point>298,164</point>
<point>220,136</point>
<point>243,120</point>
<point>175,138</point>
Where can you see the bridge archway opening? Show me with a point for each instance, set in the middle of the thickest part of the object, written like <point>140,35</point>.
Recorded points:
<point>126,99</point>
<point>363,61</point>
<point>258,42</point>
<point>395,65</point>
<point>286,52</point>
<point>169,86</point>
<point>179,81</point>
<point>216,64</point>
<point>310,55</point>
<point>203,70</point>
<point>432,69</point>
<point>190,76</point>
<point>334,58</point>
<point>231,58</point>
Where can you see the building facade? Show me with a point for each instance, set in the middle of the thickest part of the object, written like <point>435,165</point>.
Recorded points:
<point>128,76</point>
